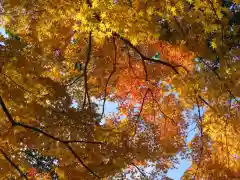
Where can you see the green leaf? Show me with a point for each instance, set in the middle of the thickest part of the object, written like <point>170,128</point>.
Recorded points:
<point>156,56</point>
<point>78,66</point>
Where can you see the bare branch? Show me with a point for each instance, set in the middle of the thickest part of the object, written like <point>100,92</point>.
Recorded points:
<point>141,109</point>
<point>22,88</point>
<point>64,142</point>
<point>143,57</point>
<point>81,161</point>
<point>109,77</point>
<point>145,69</point>
<point>5,110</point>
<point>14,165</point>
<point>205,102</point>
<point>201,136</point>
<point>140,171</point>
<point>159,107</point>
<point>199,117</point>
<point>85,71</point>
<point>220,79</point>
<point>74,81</point>
<point>142,104</point>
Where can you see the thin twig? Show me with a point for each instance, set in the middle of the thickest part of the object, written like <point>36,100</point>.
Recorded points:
<point>109,77</point>
<point>220,79</point>
<point>81,161</point>
<point>85,71</point>
<point>74,81</point>
<point>201,137</point>
<point>129,63</point>
<point>145,69</point>
<point>4,108</point>
<point>140,171</point>
<point>142,104</point>
<point>143,57</point>
<point>14,165</point>
<point>205,102</point>
<point>226,136</point>
<point>64,142</point>
<point>21,87</point>
<point>159,107</point>
<point>141,109</point>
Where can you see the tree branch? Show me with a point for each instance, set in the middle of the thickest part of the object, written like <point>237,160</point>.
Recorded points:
<point>205,102</point>
<point>64,142</point>
<point>22,88</point>
<point>141,109</point>
<point>13,164</point>
<point>5,110</point>
<point>85,71</point>
<point>110,76</point>
<point>81,161</point>
<point>220,79</point>
<point>74,81</point>
<point>159,107</point>
<point>143,57</point>
<point>201,137</point>
<point>140,171</point>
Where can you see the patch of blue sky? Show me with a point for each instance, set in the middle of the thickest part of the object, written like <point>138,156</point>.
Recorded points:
<point>2,32</point>
<point>110,108</point>
<point>177,172</point>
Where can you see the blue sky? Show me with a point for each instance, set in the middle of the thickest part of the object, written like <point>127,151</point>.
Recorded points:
<point>176,173</point>
<point>2,31</point>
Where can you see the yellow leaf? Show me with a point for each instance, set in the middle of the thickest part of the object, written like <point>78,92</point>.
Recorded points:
<point>213,44</point>
<point>60,173</point>
<point>173,10</point>
<point>237,1</point>
<point>150,11</point>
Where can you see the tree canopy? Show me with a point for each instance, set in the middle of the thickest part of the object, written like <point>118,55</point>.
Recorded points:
<point>169,65</point>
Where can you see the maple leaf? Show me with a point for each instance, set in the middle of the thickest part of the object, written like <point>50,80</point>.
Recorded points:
<point>213,44</point>
<point>32,172</point>
<point>46,104</point>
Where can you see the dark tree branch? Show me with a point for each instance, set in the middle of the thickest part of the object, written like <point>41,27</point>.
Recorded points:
<point>22,88</point>
<point>85,71</point>
<point>142,104</point>
<point>200,118</point>
<point>205,102</point>
<point>220,79</point>
<point>110,76</point>
<point>81,161</point>
<point>74,81</point>
<point>53,137</point>
<point>5,110</point>
<point>143,57</point>
<point>225,133</point>
<point>159,107</point>
<point>13,164</point>
<point>201,136</point>
<point>129,63</point>
<point>64,142</point>
<point>214,10</point>
<point>140,171</point>
<point>145,69</point>
<point>141,109</point>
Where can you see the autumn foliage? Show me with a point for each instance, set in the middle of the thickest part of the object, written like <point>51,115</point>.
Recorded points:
<point>171,67</point>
